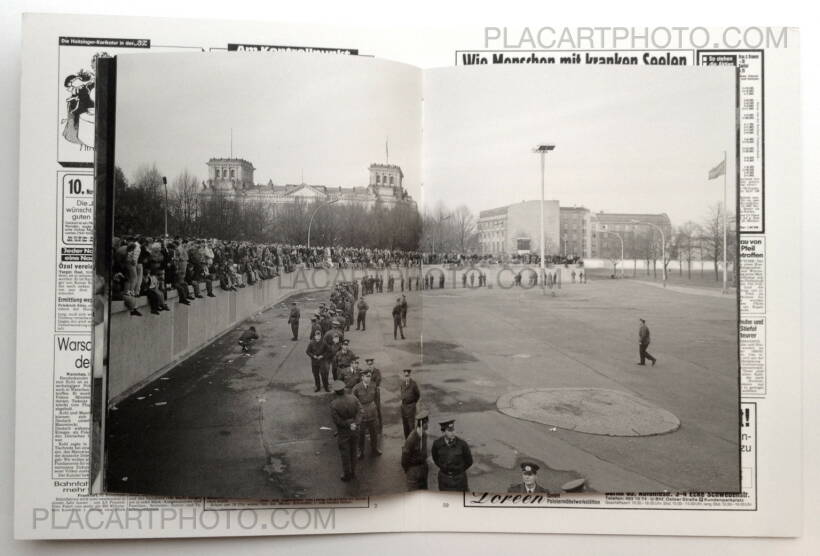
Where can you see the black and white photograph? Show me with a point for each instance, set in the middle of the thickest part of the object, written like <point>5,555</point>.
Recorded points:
<point>335,277</point>
<point>582,314</point>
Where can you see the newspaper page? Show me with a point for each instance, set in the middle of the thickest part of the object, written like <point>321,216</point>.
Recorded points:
<point>53,459</point>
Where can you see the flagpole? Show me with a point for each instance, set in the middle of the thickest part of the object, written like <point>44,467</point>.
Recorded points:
<point>725,230</point>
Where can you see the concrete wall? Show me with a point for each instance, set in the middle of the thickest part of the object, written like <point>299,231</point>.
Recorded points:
<point>143,348</point>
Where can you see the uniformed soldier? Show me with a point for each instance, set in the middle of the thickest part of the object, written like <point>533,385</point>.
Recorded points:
<point>409,398</point>
<point>403,311</point>
<point>361,318</point>
<point>453,457</point>
<point>348,303</point>
<point>397,325</point>
<point>377,380</point>
<point>333,343</point>
<point>343,358</point>
<point>367,392</point>
<point>441,282</point>
<point>352,375</point>
<point>346,412</point>
<point>643,343</point>
<point>293,320</point>
<point>528,483</point>
<point>315,325</point>
<point>414,454</point>
<point>318,352</point>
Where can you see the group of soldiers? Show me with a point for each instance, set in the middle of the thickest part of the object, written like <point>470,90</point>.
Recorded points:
<point>356,406</point>
<point>356,412</point>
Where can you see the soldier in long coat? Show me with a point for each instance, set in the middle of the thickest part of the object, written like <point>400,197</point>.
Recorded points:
<point>414,454</point>
<point>293,320</point>
<point>453,457</point>
<point>367,392</point>
<point>410,395</point>
<point>346,412</point>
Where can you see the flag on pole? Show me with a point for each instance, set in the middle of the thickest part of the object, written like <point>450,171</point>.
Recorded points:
<point>718,170</point>
<point>386,151</point>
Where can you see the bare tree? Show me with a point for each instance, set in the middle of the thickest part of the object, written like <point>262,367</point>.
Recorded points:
<point>185,203</point>
<point>464,226</point>
<point>713,236</point>
<point>686,239</point>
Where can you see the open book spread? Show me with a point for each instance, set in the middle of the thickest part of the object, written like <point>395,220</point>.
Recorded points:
<point>306,280</point>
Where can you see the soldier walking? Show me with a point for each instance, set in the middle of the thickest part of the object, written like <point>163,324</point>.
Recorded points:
<point>643,343</point>
<point>346,412</point>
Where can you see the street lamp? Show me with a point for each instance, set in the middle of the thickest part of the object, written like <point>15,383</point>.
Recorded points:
<point>441,219</point>
<point>663,246</point>
<point>165,183</point>
<point>543,150</point>
<point>310,222</point>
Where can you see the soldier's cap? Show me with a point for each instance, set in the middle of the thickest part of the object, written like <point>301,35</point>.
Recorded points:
<point>407,371</point>
<point>369,360</point>
<point>575,485</point>
<point>449,424</point>
<point>293,303</point>
<point>529,468</point>
<point>367,372</point>
<point>354,358</point>
<point>314,318</point>
<point>338,385</point>
<point>422,415</point>
<point>345,342</point>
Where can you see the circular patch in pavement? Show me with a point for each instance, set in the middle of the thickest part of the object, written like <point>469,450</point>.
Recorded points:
<point>589,410</point>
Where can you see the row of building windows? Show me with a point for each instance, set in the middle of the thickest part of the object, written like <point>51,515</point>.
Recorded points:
<point>223,172</point>
<point>490,224</point>
<point>382,179</point>
<point>487,236</point>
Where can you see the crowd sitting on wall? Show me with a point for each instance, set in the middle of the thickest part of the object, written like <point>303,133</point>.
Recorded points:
<point>144,266</point>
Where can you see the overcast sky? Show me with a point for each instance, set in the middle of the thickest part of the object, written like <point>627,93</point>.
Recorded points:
<point>627,139</point>
<point>328,116</point>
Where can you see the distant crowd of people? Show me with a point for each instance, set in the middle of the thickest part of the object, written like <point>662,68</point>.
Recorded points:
<point>467,259</point>
<point>146,266</point>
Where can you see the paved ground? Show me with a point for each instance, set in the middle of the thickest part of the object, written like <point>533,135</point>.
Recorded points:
<point>251,427</point>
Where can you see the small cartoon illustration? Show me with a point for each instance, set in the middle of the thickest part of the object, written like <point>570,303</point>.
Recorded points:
<point>79,123</point>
